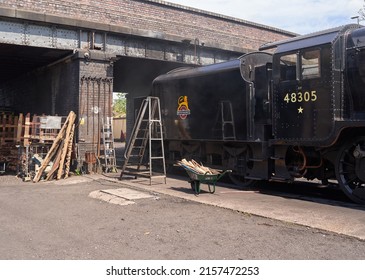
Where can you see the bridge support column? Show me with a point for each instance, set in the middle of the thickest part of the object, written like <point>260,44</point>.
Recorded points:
<point>95,99</point>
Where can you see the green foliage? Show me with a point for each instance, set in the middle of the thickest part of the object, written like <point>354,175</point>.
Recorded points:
<point>120,105</point>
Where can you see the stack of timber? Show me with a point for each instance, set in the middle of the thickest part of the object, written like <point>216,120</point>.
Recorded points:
<point>196,167</point>
<point>26,129</point>
<point>23,136</point>
<point>59,153</point>
<point>10,129</point>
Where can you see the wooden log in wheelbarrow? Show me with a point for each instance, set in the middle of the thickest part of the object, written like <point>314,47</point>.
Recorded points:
<point>197,178</point>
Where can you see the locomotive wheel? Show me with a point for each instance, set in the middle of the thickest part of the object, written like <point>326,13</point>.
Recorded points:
<point>350,169</point>
<point>241,164</point>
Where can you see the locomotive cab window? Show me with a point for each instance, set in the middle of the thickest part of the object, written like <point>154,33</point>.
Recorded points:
<point>310,67</point>
<point>300,66</point>
<point>288,68</point>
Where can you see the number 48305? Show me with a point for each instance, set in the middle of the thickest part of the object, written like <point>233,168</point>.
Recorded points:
<point>301,97</point>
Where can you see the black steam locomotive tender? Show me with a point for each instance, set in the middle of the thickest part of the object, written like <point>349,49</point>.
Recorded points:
<point>294,109</point>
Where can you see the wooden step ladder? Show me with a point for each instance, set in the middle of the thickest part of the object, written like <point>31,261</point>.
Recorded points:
<point>108,149</point>
<point>147,131</point>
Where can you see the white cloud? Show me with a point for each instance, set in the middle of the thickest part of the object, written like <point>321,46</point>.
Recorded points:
<point>300,16</point>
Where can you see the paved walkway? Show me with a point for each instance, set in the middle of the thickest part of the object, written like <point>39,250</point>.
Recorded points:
<point>341,218</point>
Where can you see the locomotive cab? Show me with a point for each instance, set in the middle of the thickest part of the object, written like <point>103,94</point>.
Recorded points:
<point>302,92</point>
<point>319,108</point>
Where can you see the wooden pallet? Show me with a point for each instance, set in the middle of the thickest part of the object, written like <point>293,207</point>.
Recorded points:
<point>26,129</point>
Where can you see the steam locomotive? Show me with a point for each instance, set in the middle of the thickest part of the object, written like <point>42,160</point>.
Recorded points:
<point>294,109</point>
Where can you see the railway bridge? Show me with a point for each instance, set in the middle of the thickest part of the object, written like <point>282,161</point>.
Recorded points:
<point>60,55</point>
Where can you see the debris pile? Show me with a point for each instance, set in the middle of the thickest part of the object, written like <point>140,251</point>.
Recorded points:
<point>22,136</point>
<point>9,156</point>
<point>58,158</point>
<point>196,167</point>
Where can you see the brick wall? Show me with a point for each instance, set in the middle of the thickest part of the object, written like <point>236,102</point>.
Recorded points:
<point>160,17</point>
<point>95,98</point>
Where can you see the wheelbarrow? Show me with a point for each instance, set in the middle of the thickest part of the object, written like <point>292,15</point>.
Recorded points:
<point>197,178</point>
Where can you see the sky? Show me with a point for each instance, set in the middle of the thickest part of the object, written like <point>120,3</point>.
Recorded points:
<point>298,16</point>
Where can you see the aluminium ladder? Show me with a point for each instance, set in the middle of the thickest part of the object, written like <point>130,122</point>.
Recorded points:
<point>108,146</point>
<point>147,132</point>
